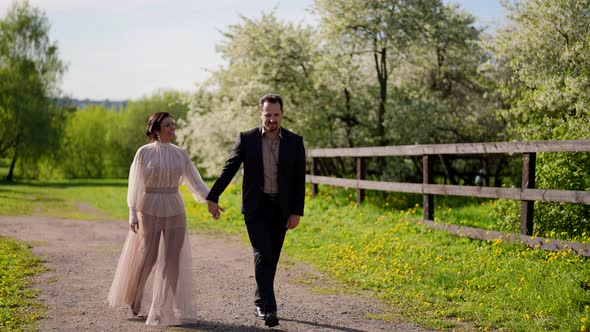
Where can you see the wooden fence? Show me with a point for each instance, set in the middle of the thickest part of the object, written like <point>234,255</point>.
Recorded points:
<point>527,194</point>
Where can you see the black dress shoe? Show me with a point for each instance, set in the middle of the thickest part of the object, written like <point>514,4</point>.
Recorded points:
<point>271,320</point>
<point>260,313</point>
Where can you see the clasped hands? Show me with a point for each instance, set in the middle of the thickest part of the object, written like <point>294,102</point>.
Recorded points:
<point>215,210</point>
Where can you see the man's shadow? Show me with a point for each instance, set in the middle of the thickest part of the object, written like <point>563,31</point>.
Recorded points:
<point>326,326</point>
<point>216,326</point>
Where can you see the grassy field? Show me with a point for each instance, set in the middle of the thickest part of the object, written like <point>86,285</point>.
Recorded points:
<point>19,307</point>
<point>430,277</point>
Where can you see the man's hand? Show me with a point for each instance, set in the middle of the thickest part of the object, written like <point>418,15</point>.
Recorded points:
<point>214,209</point>
<point>293,221</point>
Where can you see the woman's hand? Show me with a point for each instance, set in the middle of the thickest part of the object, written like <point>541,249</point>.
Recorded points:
<point>214,209</point>
<point>293,221</point>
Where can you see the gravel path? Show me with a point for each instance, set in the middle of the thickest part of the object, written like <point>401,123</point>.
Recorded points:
<point>82,256</point>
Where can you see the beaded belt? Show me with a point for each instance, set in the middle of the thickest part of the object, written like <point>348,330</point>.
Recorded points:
<point>156,190</point>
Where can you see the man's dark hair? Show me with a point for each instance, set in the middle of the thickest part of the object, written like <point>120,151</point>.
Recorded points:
<point>271,98</point>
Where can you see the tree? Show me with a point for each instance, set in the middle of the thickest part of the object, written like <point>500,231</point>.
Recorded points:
<point>384,29</point>
<point>30,69</point>
<point>425,57</point>
<point>547,50</point>
<point>263,55</point>
<point>100,143</point>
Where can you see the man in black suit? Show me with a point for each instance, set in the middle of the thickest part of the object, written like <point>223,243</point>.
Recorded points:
<point>273,194</point>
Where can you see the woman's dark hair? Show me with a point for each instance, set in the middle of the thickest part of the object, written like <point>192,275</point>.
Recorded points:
<point>154,124</point>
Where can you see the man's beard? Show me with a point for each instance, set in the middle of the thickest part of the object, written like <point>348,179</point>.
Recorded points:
<point>272,127</point>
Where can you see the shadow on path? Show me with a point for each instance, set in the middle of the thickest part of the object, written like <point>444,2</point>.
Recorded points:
<point>208,326</point>
<point>326,326</point>
<point>217,326</point>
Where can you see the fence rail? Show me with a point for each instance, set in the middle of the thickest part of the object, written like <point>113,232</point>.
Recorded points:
<point>565,196</point>
<point>582,145</point>
<point>527,194</point>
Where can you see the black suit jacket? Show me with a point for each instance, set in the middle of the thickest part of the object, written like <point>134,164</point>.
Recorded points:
<point>291,177</point>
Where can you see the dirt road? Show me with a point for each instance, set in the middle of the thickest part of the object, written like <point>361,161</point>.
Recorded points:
<point>82,256</point>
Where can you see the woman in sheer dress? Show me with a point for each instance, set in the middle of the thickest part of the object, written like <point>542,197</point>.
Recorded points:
<point>157,245</point>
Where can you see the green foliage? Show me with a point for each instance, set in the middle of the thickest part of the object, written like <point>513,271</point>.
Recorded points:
<point>547,52</point>
<point>506,216</point>
<point>84,149</point>
<point>29,71</point>
<point>19,306</point>
<point>96,142</point>
<point>548,96</point>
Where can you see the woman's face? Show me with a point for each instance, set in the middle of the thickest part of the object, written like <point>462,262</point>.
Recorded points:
<point>167,130</point>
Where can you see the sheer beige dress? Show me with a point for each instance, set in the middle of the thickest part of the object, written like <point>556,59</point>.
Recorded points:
<point>161,249</point>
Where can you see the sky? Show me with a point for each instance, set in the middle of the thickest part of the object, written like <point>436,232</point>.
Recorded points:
<point>127,49</point>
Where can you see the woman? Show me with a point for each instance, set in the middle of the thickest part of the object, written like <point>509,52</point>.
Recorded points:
<point>157,236</point>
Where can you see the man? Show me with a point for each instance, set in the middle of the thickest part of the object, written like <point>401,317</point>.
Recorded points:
<point>273,194</point>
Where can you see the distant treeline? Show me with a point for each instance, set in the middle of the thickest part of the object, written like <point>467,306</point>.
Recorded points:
<point>82,103</point>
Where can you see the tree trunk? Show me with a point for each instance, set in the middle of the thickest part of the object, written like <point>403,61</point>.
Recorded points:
<point>498,176</point>
<point>383,97</point>
<point>448,169</point>
<point>13,163</point>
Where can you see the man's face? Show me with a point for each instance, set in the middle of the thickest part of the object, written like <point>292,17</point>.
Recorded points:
<point>271,116</point>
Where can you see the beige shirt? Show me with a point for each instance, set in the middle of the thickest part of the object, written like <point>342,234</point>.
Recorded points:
<point>270,161</point>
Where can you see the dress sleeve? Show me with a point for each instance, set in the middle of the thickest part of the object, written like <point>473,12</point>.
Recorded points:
<point>192,178</point>
<point>136,187</point>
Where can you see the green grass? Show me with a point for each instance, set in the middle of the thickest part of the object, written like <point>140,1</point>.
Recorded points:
<point>59,198</point>
<point>443,281</point>
<point>435,279</point>
<point>19,306</point>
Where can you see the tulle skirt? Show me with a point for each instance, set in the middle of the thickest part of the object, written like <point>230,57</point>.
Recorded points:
<point>158,255</point>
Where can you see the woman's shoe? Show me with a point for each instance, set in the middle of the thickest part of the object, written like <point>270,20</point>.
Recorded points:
<point>134,311</point>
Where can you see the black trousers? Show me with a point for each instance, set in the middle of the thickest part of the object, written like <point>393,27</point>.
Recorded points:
<point>266,230</point>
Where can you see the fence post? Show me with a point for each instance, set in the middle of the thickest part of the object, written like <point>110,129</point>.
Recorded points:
<point>360,175</point>
<point>427,179</point>
<point>528,182</point>
<point>314,171</point>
